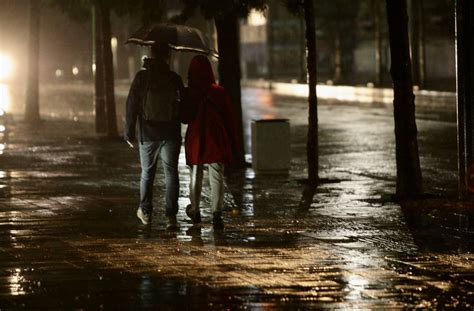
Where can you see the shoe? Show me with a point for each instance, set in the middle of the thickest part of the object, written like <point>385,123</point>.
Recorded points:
<point>145,218</point>
<point>195,217</point>
<point>217,221</point>
<point>172,223</point>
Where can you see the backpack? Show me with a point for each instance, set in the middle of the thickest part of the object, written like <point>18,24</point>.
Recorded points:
<point>161,100</point>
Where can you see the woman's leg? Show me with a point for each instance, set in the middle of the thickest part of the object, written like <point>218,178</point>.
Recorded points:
<point>195,187</point>
<point>216,179</point>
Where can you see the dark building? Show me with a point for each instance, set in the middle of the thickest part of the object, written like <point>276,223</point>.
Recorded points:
<point>346,43</point>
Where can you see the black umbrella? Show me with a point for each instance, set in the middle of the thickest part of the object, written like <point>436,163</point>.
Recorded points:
<point>177,37</point>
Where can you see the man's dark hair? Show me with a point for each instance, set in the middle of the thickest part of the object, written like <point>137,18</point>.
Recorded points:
<point>160,51</point>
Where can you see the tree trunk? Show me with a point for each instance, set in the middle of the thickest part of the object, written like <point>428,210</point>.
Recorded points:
<point>312,151</point>
<point>109,72</point>
<point>347,37</point>
<point>32,115</point>
<point>270,47</point>
<point>302,50</point>
<point>99,72</point>
<point>465,95</point>
<point>408,163</point>
<point>378,42</point>
<point>417,42</point>
<point>337,77</point>
<point>228,40</point>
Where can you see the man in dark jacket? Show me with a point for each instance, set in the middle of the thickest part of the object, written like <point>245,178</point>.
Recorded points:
<point>159,130</point>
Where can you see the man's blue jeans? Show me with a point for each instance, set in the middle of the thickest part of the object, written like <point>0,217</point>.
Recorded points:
<point>168,152</point>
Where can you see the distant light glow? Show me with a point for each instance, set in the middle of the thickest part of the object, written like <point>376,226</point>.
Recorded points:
<point>114,42</point>
<point>59,73</point>
<point>114,45</point>
<point>256,18</point>
<point>93,68</point>
<point>4,98</point>
<point>6,67</point>
<point>2,128</point>
<point>75,71</point>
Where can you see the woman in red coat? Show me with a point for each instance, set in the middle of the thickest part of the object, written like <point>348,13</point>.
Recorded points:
<point>210,137</point>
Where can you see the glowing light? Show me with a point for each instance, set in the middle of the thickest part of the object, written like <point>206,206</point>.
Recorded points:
<point>256,18</point>
<point>2,128</point>
<point>6,67</point>
<point>75,71</point>
<point>4,98</point>
<point>93,68</point>
<point>59,73</point>
<point>114,42</point>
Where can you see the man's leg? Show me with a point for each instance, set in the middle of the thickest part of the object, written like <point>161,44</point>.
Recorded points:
<point>148,159</point>
<point>169,152</point>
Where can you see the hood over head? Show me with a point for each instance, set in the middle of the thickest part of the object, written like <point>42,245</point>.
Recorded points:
<point>200,74</point>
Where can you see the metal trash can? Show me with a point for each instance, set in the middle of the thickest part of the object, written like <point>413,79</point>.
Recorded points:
<point>271,146</point>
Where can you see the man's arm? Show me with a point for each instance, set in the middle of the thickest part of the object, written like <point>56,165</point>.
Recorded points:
<point>132,107</point>
<point>187,109</point>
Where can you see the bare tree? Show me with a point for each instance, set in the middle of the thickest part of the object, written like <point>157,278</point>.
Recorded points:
<point>378,41</point>
<point>108,70</point>
<point>99,73</point>
<point>409,182</point>
<point>32,115</point>
<point>311,61</point>
<point>307,10</point>
<point>228,41</point>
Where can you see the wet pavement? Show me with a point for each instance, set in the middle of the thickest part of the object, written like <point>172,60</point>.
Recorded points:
<point>70,238</point>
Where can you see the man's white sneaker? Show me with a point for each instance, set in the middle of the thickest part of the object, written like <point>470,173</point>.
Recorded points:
<point>145,218</point>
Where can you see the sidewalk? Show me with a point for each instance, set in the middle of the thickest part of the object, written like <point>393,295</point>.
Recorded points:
<point>360,94</point>
<point>70,238</point>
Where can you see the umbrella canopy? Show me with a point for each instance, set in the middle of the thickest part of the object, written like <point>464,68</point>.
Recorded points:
<point>177,37</point>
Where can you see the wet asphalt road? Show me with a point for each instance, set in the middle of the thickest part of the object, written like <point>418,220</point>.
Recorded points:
<point>70,238</point>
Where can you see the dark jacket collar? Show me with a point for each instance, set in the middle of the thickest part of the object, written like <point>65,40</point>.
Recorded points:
<point>154,64</point>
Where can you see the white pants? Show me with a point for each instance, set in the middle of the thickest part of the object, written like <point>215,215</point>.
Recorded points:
<point>216,180</point>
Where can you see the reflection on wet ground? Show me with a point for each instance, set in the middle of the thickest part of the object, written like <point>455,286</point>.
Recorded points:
<point>70,238</point>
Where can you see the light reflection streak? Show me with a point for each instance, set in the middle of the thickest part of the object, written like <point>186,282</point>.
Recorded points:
<point>14,282</point>
<point>355,286</point>
<point>357,282</point>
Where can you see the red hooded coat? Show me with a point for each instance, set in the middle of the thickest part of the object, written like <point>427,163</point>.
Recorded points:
<point>211,135</point>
